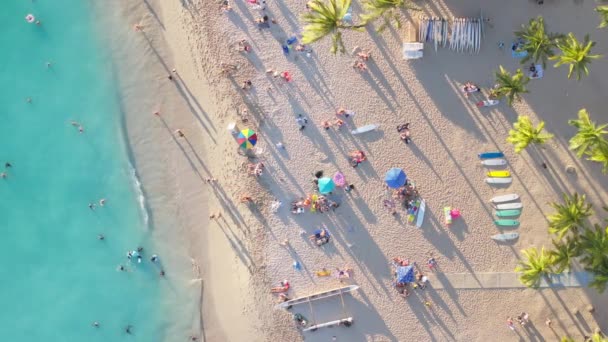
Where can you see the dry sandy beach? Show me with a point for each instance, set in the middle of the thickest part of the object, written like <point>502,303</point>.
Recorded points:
<point>236,258</point>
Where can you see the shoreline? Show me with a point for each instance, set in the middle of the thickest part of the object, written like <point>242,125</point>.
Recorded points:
<point>206,281</point>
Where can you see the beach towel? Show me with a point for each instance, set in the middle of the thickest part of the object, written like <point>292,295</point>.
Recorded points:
<point>538,73</point>
<point>515,49</point>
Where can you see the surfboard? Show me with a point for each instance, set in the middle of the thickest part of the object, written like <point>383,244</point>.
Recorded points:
<point>317,296</point>
<point>507,223</point>
<point>364,129</point>
<point>447,214</point>
<point>504,198</point>
<point>501,174</point>
<point>507,213</point>
<point>412,212</point>
<point>420,217</point>
<point>507,206</point>
<point>489,155</point>
<point>505,236</point>
<point>494,162</point>
<point>498,180</point>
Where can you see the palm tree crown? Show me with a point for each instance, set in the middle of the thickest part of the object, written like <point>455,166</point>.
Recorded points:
<point>509,86</point>
<point>603,13</point>
<point>589,136</point>
<point>593,247</point>
<point>326,17</point>
<point>535,267</point>
<point>524,133</point>
<point>564,253</point>
<point>537,42</point>
<point>387,9</point>
<point>600,154</point>
<point>576,54</point>
<point>570,216</point>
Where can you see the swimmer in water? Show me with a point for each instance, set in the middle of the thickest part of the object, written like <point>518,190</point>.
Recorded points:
<point>74,123</point>
<point>101,237</point>
<point>49,65</point>
<point>128,329</point>
<point>121,268</point>
<point>95,324</point>
<point>3,175</point>
<point>80,129</point>
<point>154,258</point>
<point>28,99</point>
<point>7,165</point>
<point>92,206</point>
<point>162,273</point>
<point>102,202</point>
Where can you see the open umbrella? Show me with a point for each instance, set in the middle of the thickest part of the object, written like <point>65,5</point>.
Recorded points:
<point>326,185</point>
<point>395,178</point>
<point>405,274</point>
<point>339,179</point>
<point>247,138</point>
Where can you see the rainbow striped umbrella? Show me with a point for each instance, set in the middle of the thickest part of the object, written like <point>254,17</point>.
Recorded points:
<point>247,138</point>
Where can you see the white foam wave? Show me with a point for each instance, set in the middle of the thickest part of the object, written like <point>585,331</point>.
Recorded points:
<point>141,199</point>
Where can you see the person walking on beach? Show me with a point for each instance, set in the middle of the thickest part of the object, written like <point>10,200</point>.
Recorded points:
<point>510,323</point>
<point>180,133</point>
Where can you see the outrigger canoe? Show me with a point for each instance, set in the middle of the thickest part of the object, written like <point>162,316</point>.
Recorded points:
<point>317,296</point>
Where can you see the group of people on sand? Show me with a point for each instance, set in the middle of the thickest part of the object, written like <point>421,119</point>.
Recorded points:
<point>255,169</point>
<point>360,62</point>
<point>341,114</point>
<point>421,280</point>
<point>523,319</point>
<point>320,204</point>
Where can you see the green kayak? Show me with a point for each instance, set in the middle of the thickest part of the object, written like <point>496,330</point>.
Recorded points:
<point>507,213</point>
<point>509,223</point>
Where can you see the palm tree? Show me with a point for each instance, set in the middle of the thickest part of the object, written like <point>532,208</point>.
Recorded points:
<point>524,133</point>
<point>326,17</point>
<point>564,253</point>
<point>600,154</point>
<point>537,266</point>
<point>575,54</point>
<point>509,86</point>
<point>603,13</point>
<point>538,43</point>
<point>569,217</point>
<point>598,337</point>
<point>387,9</point>
<point>593,246</point>
<point>588,136</point>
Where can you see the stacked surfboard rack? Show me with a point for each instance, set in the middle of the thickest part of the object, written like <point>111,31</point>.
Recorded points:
<point>463,34</point>
<point>507,208</point>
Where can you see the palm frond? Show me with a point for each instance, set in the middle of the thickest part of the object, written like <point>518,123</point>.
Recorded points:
<point>510,86</point>
<point>524,133</point>
<point>588,136</point>
<point>570,216</point>
<point>387,10</point>
<point>326,17</point>
<point>537,42</point>
<point>575,54</point>
<point>534,267</point>
<point>602,11</point>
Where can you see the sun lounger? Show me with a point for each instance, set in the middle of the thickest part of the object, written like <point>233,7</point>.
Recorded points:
<point>413,50</point>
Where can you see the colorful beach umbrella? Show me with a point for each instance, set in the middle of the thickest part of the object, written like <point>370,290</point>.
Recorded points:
<point>405,274</point>
<point>326,185</point>
<point>395,178</point>
<point>247,138</point>
<point>339,179</point>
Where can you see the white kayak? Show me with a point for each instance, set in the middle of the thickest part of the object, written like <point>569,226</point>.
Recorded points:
<point>364,129</point>
<point>505,236</point>
<point>420,217</point>
<point>504,198</point>
<point>507,206</point>
<point>494,162</point>
<point>496,180</point>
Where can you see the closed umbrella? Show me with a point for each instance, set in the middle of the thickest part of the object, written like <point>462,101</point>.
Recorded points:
<point>247,138</point>
<point>326,185</point>
<point>395,178</point>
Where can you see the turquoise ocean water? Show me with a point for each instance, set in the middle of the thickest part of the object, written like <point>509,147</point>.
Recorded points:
<point>56,276</point>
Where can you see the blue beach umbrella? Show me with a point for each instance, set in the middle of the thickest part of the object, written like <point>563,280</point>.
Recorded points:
<point>326,185</point>
<point>395,178</point>
<point>405,274</point>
